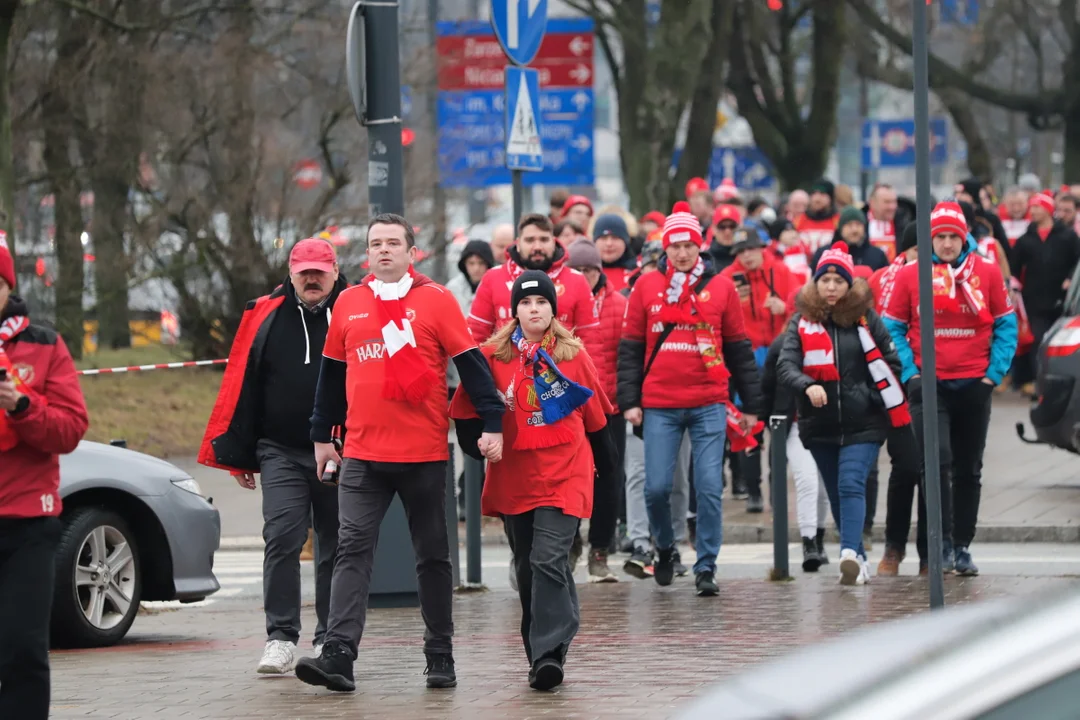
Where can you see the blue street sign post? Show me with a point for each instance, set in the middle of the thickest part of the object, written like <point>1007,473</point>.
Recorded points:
<point>522,100</point>
<point>519,25</point>
<point>891,143</point>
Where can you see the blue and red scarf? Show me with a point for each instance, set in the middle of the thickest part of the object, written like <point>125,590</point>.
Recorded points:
<point>553,393</point>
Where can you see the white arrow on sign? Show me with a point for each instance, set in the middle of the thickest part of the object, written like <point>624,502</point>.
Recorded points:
<point>729,165</point>
<point>581,73</point>
<point>512,20</point>
<point>582,143</point>
<point>754,175</point>
<point>578,45</point>
<point>580,100</point>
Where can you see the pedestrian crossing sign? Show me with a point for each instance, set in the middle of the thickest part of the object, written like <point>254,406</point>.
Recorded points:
<point>523,146</point>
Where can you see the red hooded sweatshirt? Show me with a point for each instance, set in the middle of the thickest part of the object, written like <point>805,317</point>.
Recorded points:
<point>772,279</point>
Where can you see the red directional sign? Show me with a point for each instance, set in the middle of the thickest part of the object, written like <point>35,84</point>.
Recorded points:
<point>476,62</point>
<point>308,174</point>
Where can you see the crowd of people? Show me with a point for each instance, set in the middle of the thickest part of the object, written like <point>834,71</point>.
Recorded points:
<point>605,368</point>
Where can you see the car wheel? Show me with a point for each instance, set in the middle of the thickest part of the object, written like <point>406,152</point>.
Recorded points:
<point>98,583</point>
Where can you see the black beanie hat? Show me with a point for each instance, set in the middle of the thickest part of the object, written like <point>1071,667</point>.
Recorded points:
<point>910,237</point>
<point>972,187</point>
<point>533,282</point>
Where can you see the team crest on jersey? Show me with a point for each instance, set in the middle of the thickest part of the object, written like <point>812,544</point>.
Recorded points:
<point>410,314</point>
<point>704,296</point>
<point>25,373</point>
<point>559,289</point>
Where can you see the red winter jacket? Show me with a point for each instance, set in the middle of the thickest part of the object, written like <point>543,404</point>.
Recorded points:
<point>52,426</point>
<point>491,304</point>
<point>772,279</point>
<point>678,378</point>
<point>603,343</point>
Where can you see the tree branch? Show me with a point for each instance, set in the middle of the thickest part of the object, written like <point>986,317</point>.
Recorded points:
<point>1051,102</point>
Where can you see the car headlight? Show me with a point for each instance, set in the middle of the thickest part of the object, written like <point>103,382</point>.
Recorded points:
<point>188,484</point>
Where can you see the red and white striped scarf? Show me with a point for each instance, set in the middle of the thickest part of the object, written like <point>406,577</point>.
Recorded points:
<point>407,377</point>
<point>819,363</point>
<point>12,327</point>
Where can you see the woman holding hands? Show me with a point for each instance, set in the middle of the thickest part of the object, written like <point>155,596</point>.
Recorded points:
<point>543,484</point>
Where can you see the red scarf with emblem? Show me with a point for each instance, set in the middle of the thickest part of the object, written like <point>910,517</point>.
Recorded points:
<point>8,330</point>
<point>959,291</point>
<point>407,377</point>
<point>681,308</point>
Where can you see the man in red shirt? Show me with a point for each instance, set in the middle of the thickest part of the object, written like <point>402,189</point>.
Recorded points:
<point>881,219</point>
<point>818,224</point>
<point>383,376</point>
<point>535,249</point>
<point>683,339</point>
<point>975,339</point>
<point>42,416</point>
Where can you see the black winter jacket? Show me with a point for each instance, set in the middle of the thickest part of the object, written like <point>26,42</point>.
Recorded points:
<point>855,412</point>
<point>1043,267</point>
<point>778,398</point>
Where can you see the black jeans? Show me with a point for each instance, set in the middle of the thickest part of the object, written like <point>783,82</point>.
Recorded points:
<point>293,498</point>
<point>963,422</point>
<point>746,467</point>
<point>365,492</point>
<point>905,481</point>
<point>550,615</point>
<point>606,491</point>
<point>27,574</point>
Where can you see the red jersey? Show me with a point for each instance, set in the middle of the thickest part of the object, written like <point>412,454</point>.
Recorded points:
<point>772,279</point>
<point>678,378</point>
<point>962,341</point>
<point>559,476</point>
<point>52,426</point>
<point>382,430</point>
<point>816,234</point>
<point>618,278</point>
<point>491,304</point>
<point>882,234</point>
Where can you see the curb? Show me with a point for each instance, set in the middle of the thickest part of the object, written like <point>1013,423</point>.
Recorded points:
<point>745,534</point>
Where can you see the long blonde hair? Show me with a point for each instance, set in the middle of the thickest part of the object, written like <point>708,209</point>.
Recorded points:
<point>567,346</point>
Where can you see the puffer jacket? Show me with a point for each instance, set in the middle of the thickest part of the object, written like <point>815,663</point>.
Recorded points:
<point>603,343</point>
<point>778,399</point>
<point>854,412</point>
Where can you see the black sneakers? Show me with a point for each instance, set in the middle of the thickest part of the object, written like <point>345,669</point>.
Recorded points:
<point>811,559</point>
<point>755,503</point>
<point>664,570</point>
<point>333,669</point>
<point>440,670</point>
<point>546,674</point>
<point>676,562</point>
<point>706,584</point>
<point>639,564</point>
<point>820,541</point>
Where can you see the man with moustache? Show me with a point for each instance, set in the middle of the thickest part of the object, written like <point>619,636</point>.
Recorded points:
<point>260,426</point>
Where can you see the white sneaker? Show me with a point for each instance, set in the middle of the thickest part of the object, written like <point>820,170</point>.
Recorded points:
<point>278,658</point>
<point>850,567</point>
<point>864,572</point>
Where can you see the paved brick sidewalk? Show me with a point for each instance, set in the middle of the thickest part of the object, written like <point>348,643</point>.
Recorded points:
<point>643,652</point>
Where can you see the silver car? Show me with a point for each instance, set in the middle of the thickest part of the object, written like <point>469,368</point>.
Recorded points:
<point>135,528</point>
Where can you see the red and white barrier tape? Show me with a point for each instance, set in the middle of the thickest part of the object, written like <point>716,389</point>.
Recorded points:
<point>159,366</point>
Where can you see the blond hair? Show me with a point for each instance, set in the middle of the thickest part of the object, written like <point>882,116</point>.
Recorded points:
<point>567,346</point>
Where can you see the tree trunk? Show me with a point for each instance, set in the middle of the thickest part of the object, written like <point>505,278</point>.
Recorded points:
<point>58,123</point>
<point>979,162</point>
<point>8,8</point>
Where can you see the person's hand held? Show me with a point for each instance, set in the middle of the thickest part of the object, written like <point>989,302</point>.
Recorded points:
<point>9,395</point>
<point>245,480</point>
<point>491,446</point>
<point>633,416</point>
<point>324,453</point>
<point>748,422</point>
<point>817,396</point>
<point>775,305</point>
<point>988,381</point>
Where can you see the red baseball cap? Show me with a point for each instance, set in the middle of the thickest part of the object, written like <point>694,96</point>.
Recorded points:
<point>655,217</point>
<point>695,186</point>
<point>728,212</point>
<point>312,254</point>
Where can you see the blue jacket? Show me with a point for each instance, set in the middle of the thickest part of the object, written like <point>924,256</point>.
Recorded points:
<point>1002,344</point>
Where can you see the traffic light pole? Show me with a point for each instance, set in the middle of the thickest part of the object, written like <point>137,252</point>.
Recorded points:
<point>386,181</point>
<point>931,453</point>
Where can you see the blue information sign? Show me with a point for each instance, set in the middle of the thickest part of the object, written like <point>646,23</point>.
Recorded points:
<point>519,25</point>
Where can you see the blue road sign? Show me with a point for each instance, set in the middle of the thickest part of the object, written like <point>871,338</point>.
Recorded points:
<point>522,111</point>
<point>891,143</point>
<point>472,138</point>
<point>959,12</point>
<point>747,166</point>
<point>519,25</point>
<point>406,101</point>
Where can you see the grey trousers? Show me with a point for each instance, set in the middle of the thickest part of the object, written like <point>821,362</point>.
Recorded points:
<point>293,499</point>
<point>637,519</point>
<point>365,492</point>
<point>540,540</point>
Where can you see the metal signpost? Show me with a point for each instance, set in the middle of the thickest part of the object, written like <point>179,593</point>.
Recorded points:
<point>932,469</point>
<point>374,80</point>
<point>778,473</point>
